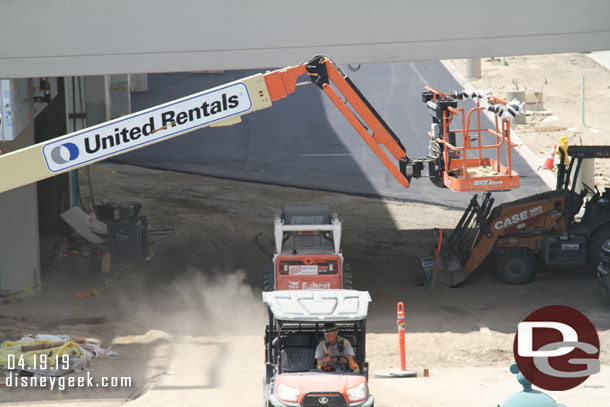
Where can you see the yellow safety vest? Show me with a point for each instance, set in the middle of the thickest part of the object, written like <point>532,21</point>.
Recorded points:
<point>353,365</point>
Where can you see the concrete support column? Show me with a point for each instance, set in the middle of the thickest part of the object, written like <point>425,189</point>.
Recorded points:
<point>76,116</point>
<point>120,95</point>
<point>87,101</point>
<point>139,82</point>
<point>97,99</point>
<point>473,68</point>
<point>76,119</point>
<point>19,240</point>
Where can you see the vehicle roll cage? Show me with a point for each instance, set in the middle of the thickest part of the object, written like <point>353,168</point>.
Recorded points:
<point>286,334</point>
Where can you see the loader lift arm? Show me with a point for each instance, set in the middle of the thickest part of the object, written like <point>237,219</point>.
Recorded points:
<point>221,106</point>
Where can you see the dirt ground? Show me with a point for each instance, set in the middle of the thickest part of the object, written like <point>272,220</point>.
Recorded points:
<point>558,78</point>
<point>188,323</point>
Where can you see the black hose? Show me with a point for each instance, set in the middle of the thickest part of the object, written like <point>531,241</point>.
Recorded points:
<point>261,247</point>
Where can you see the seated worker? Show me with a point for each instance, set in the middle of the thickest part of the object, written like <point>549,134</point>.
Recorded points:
<point>334,350</point>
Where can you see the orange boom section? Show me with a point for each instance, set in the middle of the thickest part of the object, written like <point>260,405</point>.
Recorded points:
<point>460,168</point>
<point>354,107</point>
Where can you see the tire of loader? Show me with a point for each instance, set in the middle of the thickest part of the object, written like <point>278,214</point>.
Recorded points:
<point>347,277</point>
<point>268,280</point>
<point>595,245</point>
<point>516,265</point>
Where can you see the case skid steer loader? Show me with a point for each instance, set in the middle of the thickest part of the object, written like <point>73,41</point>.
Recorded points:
<point>541,228</point>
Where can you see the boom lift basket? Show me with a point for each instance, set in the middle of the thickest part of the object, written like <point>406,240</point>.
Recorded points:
<point>464,167</point>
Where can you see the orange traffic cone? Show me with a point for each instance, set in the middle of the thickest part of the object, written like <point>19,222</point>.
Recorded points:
<point>549,162</point>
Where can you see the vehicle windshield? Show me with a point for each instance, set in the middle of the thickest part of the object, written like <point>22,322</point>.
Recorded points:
<point>297,343</point>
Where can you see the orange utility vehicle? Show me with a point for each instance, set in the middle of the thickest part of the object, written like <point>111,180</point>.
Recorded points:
<point>540,229</point>
<point>452,164</point>
<point>295,329</point>
<point>307,250</point>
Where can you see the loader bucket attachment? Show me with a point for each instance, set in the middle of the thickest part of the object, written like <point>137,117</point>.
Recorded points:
<point>446,266</point>
<point>443,266</point>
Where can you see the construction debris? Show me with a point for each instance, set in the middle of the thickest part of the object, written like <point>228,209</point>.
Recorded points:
<point>49,355</point>
<point>549,129</point>
<point>482,171</point>
<point>85,293</point>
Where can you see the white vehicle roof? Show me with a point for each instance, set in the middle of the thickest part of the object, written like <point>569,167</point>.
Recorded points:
<point>318,305</point>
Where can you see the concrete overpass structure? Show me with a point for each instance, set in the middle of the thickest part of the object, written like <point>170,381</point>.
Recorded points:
<point>59,38</point>
<point>89,37</point>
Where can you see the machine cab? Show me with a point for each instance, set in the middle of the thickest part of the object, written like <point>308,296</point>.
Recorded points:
<point>307,250</point>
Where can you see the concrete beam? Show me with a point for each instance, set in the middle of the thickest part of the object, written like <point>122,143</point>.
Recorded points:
<point>61,37</point>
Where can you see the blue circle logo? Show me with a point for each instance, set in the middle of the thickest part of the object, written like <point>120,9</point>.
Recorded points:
<point>65,153</point>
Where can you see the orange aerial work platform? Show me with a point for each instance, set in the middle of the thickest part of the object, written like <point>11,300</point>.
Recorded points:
<point>464,167</point>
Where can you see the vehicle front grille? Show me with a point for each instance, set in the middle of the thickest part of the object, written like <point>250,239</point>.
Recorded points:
<point>323,400</point>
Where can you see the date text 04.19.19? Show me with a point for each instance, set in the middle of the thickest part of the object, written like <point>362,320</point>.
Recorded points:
<point>39,362</point>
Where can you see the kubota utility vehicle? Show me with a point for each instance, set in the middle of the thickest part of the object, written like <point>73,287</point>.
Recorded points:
<point>541,228</point>
<point>307,250</point>
<point>296,320</point>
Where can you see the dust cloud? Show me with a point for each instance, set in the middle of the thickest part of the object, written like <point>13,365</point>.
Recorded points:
<point>221,303</point>
<point>195,303</point>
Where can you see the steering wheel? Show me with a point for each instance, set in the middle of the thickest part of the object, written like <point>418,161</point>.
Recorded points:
<point>342,361</point>
<point>588,189</point>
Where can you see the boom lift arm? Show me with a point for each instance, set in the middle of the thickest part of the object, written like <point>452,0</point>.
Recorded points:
<point>364,118</point>
<point>224,105</point>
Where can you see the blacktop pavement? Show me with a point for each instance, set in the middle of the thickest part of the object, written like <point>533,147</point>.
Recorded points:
<point>304,141</point>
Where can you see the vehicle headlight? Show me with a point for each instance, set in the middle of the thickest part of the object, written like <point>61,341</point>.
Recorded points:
<point>287,393</point>
<point>357,393</point>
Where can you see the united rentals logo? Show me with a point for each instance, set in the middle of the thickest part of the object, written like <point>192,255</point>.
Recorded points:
<point>557,348</point>
<point>128,133</point>
<point>64,153</point>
